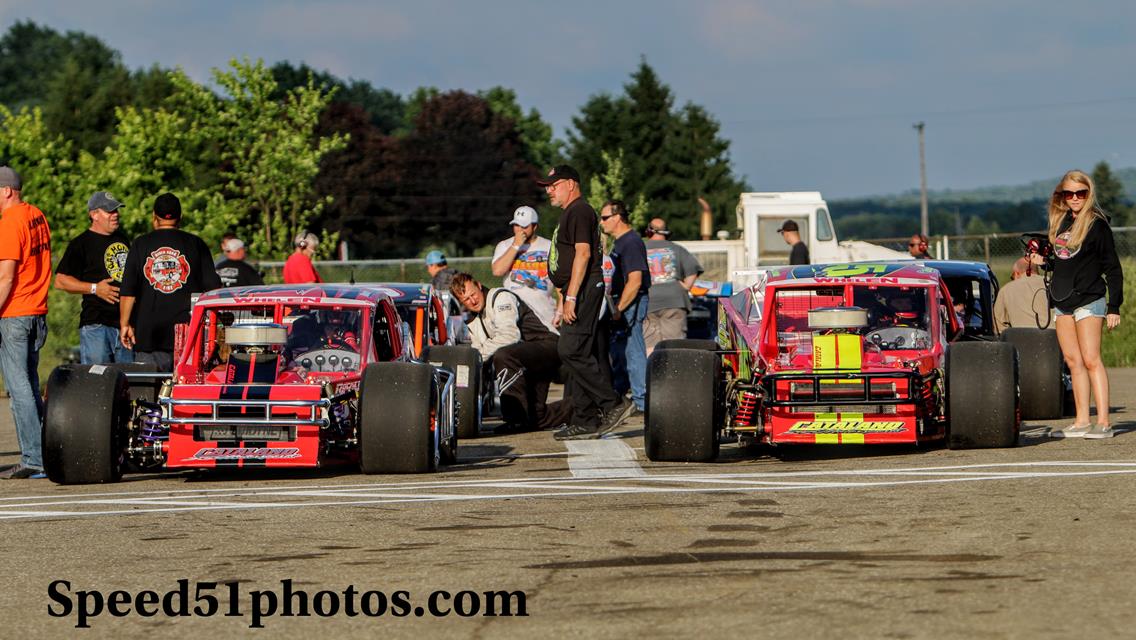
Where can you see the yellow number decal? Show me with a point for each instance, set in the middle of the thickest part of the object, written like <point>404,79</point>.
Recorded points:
<point>848,270</point>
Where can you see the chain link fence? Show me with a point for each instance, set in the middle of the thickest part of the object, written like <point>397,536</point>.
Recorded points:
<point>999,250</point>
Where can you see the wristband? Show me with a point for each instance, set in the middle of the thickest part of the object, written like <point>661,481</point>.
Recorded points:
<point>570,298</point>
<point>94,288</point>
<point>516,247</point>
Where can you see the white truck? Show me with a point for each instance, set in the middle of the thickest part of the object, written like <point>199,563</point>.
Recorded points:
<point>761,214</point>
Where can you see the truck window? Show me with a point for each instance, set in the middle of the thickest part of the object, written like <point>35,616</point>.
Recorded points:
<point>824,225</point>
<point>770,243</point>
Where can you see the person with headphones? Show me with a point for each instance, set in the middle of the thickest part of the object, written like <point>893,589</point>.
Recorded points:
<point>298,269</point>
<point>1086,290</point>
<point>917,246</point>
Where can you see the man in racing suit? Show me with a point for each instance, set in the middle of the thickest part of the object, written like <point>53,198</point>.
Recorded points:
<point>519,347</point>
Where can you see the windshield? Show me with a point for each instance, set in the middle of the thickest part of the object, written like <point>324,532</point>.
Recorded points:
<point>897,316</point>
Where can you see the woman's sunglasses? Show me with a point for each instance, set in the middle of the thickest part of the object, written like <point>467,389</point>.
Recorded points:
<point>1081,194</point>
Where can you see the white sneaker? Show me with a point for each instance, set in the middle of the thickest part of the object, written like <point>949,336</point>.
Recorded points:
<point>1072,431</point>
<point>1100,432</point>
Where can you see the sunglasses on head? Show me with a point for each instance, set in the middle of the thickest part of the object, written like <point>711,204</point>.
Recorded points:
<point>1081,194</point>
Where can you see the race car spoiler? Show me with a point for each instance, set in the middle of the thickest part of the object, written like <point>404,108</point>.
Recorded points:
<point>873,388</point>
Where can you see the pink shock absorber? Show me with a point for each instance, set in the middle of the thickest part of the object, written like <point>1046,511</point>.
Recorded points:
<point>747,404</point>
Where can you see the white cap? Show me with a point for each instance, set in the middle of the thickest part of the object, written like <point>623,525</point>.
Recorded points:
<point>524,216</point>
<point>232,244</point>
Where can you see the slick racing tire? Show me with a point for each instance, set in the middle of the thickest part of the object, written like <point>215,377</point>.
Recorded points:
<point>84,424</point>
<point>982,399</point>
<point>465,362</point>
<point>146,390</point>
<point>682,405</point>
<point>1039,368</point>
<point>396,402</point>
<point>687,343</point>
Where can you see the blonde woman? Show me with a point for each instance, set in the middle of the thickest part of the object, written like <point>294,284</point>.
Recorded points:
<point>1086,270</point>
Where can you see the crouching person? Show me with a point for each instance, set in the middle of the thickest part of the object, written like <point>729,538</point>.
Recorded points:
<point>520,350</point>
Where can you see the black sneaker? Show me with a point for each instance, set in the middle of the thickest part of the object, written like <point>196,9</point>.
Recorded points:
<point>20,472</point>
<point>616,416</point>
<point>576,432</point>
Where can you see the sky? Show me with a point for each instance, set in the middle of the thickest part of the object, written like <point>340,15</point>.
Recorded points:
<point>812,94</point>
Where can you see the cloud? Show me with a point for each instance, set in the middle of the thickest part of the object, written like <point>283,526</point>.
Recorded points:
<point>738,29</point>
<point>332,22</point>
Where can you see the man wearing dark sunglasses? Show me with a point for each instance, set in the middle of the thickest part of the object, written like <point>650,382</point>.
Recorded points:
<point>917,246</point>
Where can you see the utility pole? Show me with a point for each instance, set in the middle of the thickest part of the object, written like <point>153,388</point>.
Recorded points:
<point>923,224</point>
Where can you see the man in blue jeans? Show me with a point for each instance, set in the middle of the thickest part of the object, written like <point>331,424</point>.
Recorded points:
<point>25,278</point>
<point>92,266</point>
<point>630,281</point>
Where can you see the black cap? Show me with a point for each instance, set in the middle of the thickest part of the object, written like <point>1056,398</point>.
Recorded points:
<point>788,225</point>
<point>559,172</point>
<point>167,207</point>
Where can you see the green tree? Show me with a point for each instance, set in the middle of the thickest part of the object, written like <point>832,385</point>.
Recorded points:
<point>669,158</point>
<point>608,185</point>
<point>267,147</point>
<point>384,107</point>
<point>541,150</point>
<point>1110,194</point>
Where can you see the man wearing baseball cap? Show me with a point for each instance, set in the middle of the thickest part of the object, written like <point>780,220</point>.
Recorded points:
<point>25,279</point>
<point>441,274</point>
<point>163,270</point>
<point>233,270</point>
<point>92,266</point>
<point>575,268</point>
<point>791,232</point>
<point>523,262</point>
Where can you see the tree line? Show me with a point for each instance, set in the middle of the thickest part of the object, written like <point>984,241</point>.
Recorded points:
<point>266,151</point>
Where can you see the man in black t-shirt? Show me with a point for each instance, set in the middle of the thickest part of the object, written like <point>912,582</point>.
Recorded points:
<point>630,282</point>
<point>233,270</point>
<point>163,270</point>
<point>92,266</point>
<point>791,232</point>
<point>576,270</point>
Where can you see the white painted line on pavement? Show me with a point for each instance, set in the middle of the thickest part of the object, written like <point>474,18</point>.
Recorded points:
<point>603,458</point>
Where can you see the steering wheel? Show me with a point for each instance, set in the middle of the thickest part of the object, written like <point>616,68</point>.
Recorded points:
<point>329,360</point>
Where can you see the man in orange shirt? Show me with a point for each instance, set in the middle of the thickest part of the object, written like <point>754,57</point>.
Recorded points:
<point>25,278</point>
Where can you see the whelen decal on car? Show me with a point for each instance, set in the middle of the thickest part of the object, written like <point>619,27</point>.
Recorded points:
<point>245,453</point>
<point>845,426</point>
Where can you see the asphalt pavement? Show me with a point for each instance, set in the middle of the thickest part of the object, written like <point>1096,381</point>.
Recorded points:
<point>833,542</point>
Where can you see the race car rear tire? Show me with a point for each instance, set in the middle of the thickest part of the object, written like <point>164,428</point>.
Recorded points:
<point>465,362</point>
<point>395,403</point>
<point>688,343</point>
<point>84,424</point>
<point>140,389</point>
<point>682,405</point>
<point>1039,368</point>
<point>982,399</point>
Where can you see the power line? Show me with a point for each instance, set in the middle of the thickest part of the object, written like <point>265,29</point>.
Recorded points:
<point>951,112</point>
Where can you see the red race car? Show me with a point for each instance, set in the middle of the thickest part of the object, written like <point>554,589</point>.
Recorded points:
<point>833,354</point>
<point>270,376</point>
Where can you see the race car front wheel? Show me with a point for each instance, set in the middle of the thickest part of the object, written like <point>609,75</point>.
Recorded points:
<point>395,402</point>
<point>84,424</point>
<point>682,402</point>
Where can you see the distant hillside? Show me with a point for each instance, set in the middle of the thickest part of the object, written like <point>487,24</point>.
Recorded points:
<point>955,212</point>
<point>1037,190</point>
